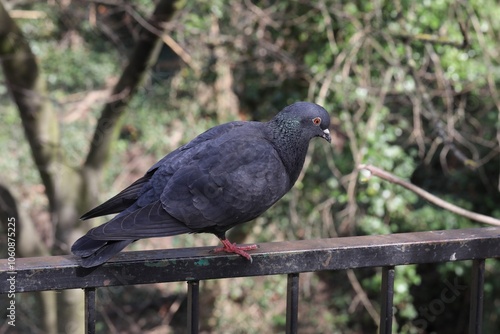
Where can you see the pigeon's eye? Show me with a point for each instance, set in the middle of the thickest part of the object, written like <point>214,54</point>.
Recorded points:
<point>316,121</point>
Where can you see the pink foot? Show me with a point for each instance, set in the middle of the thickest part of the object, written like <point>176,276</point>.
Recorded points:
<point>232,248</point>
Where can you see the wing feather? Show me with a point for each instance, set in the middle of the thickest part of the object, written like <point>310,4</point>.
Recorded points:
<point>121,201</point>
<point>146,222</point>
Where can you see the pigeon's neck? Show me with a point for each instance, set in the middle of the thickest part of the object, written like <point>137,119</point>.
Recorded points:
<point>291,147</point>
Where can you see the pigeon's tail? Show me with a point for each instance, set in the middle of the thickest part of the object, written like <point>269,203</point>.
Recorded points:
<point>102,242</point>
<point>96,252</point>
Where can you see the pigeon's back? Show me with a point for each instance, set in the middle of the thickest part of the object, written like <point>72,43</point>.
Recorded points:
<point>226,176</point>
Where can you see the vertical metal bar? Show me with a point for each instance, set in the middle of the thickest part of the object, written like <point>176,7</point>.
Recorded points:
<point>387,291</point>
<point>292,304</point>
<point>477,296</point>
<point>90,312</point>
<point>193,306</point>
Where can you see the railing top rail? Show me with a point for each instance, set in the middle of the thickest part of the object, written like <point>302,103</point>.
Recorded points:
<point>63,272</point>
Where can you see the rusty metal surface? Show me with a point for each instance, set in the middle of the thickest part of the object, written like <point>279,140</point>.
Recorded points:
<point>63,272</point>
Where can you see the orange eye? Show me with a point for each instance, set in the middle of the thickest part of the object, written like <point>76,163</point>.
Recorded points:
<point>317,121</point>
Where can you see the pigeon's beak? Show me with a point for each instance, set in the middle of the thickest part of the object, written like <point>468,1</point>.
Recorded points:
<point>326,135</point>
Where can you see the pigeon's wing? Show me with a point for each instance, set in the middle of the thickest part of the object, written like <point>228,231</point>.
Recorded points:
<point>142,222</point>
<point>170,163</point>
<point>121,201</point>
<point>231,181</point>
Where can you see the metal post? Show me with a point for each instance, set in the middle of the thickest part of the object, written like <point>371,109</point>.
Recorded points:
<point>90,312</point>
<point>476,298</point>
<point>292,304</point>
<point>387,300</point>
<point>193,306</point>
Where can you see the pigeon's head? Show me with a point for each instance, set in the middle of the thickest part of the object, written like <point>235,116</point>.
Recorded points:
<point>312,119</point>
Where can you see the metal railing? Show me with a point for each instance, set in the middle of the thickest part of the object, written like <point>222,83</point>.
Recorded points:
<point>291,258</point>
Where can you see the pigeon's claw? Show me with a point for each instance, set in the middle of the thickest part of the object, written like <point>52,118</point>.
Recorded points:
<point>233,248</point>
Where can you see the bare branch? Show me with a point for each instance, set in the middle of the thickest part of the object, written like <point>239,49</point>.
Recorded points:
<point>438,40</point>
<point>429,197</point>
<point>363,297</point>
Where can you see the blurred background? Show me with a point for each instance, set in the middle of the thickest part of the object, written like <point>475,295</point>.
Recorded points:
<point>412,87</point>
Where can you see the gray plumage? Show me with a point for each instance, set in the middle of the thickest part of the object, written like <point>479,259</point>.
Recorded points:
<point>226,176</point>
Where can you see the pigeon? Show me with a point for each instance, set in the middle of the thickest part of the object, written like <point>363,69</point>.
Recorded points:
<point>226,176</point>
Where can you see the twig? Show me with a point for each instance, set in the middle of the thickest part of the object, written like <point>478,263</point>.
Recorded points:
<point>27,14</point>
<point>361,294</point>
<point>167,39</point>
<point>183,54</point>
<point>439,40</point>
<point>429,197</point>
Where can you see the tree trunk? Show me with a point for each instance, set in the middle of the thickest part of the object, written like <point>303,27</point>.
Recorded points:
<point>41,128</point>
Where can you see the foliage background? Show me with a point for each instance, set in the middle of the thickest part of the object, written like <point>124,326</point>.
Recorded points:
<point>412,88</point>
